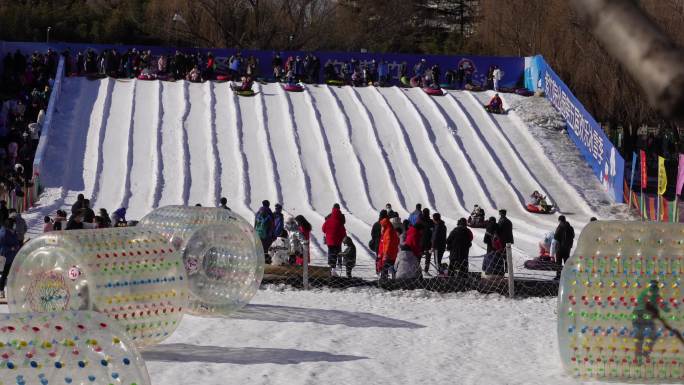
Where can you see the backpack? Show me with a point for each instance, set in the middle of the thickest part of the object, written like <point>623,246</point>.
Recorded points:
<point>262,223</point>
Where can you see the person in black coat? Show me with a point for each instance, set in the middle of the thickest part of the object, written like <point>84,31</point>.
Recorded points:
<point>564,237</point>
<point>78,205</point>
<point>458,243</point>
<point>505,228</point>
<point>75,222</point>
<point>490,231</point>
<point>426,237</point>
<point>376,233</point>
<point>439,238</point>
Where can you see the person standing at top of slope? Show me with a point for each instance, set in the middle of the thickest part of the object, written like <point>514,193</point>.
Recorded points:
<point>497,74</point>
<point>278,221</point>
<point>491,229</point>
<point>505,228</point>
<point>416,215</point>
<point>414,238</point>
<point>263,224</point>
<point>334,231</point>
<point>376,233</point>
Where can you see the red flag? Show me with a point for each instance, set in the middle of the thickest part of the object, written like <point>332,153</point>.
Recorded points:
<point>644,179</point>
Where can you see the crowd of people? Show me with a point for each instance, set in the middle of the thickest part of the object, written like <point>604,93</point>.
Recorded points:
<point>25,87</point>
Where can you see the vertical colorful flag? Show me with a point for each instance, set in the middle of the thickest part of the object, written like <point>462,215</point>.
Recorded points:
<point>644,182</point>
<point>662,182</point>
<point>631,179</point>
<point>680,182</point>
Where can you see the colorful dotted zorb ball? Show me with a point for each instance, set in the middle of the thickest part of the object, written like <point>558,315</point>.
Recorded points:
<point>222,254</point>
<point>73,347</point>
<point>620,303</point>
<point>133,275</point>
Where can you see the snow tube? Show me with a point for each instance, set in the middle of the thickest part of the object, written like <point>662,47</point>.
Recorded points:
<point>524,92</point>
<point>447,86</point>
<point>293,87</point>
<point>543,264</point>
<point>415,82</point>
<point>538,209</point>
<point>146,77</point>
<point>491,111</point>
<point>333,82</point>
<point>222,78</point>
<point>433,91</point>
<point>245,93</point>
<point>405,81</point>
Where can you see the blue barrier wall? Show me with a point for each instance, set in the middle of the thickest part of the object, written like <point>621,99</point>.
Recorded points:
<point>512,66</point>
<point>49,114</point>
<point>604,159</point>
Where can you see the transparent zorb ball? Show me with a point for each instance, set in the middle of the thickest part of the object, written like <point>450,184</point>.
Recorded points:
<point>131,274</point>
<point>620,303</point>
<point>221,252</point>
<point>71,347</point>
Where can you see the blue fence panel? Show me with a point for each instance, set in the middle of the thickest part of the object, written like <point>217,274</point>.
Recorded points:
<point>47,123</point>
<point>604,159</point>
<point>512,67</point>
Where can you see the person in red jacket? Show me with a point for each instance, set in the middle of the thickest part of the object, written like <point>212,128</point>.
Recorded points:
<point>414,236</point>
<point>388,249</point>
<point>334,231</point>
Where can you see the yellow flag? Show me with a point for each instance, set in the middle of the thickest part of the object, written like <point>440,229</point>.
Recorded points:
<point>662,176</point>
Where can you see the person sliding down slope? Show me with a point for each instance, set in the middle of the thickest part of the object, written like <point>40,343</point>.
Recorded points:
<point>495,105</point>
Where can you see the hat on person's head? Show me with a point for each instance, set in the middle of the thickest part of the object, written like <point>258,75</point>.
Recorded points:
<point>502,212</point>
<point>265,203</point>
<point>561,218</point>
<point>278,206</point>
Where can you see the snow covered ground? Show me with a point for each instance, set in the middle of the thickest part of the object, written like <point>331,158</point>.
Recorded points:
<point>366,336</point>
<point>145,144</point>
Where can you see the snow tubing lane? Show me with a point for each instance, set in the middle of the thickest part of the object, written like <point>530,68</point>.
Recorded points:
<point>433,91</point>
<point>293,88</point>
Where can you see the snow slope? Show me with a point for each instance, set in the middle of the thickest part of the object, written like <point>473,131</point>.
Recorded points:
<point>143,144</point>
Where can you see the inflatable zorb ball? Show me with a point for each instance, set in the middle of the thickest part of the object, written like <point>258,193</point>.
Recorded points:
<point>74,347</point>
<point>221,252</point>
<point>620,308</point>
<point>131,274</point>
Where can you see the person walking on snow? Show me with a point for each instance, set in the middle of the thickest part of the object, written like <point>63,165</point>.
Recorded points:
<point>564,236</point>
<point>263,224</point>
<point>334,231</point>
<point>458,243</point>
<point>439,237</point>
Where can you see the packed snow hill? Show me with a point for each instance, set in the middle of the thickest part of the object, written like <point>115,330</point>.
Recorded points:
<point>142,144</point>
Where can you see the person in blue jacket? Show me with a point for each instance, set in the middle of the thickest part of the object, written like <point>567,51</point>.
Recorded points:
<point>383,71</point>
<point>9,245</point>
<point>416,215</point>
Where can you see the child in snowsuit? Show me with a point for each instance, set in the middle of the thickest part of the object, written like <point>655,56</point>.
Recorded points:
<point>348,255</point>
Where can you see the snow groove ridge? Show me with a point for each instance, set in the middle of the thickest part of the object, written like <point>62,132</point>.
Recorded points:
<point>355,159</point>
<point>159,170</point>
<point>517,158</point>
<point>215,164</point>
<point>322,138</point>
<point>458,149</point>
<point>427,130</point>
<point>246,187</point>
<point>187,178</point>
<point>400,132</point>
<point>129,151</point>
<point>376,143</point>
<point>100,141</point>
<point>261,120</point>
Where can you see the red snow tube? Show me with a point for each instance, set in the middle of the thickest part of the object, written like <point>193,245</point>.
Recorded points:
<point>222,78</point>
<point>433,91</point>
<point>293,87</point>
<point>415,81</point>
<point>146,77</point>
<point>536,209</point>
